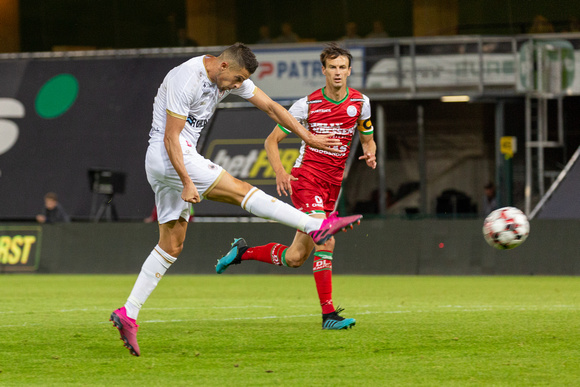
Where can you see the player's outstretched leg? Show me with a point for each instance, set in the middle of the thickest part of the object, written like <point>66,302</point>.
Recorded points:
<point>335,321</point>
<point>233,257</point>
<point>128,330</point>
<point>332,225</point>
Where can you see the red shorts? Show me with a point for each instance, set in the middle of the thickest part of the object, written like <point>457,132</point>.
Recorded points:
<point>310,194</point>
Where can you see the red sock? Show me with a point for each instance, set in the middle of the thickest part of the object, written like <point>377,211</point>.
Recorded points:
<point>270,253</point>
<point>322,270</point>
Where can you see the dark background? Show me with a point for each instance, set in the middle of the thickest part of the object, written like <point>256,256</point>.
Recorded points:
<point>146,23</point>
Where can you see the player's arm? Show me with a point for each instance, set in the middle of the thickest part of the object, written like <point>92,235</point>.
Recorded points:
<point>284,118</point>
<point>365,131</point>
<point>283,178</point>
<point>173,128</point>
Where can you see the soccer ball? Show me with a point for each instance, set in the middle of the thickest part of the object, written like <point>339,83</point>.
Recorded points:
<point>506,228</point>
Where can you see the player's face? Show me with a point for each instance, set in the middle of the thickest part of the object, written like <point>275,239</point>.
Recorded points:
<point>336,72</point>
<point>231,77</point>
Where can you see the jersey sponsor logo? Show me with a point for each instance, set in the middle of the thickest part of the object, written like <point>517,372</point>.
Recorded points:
<point>321,111</point>
<point>331,128</point>
<point>342,149</point>
<point>195,123</point>
<point>357,99</point>
<point>314,101</point>
<point>351,111</point>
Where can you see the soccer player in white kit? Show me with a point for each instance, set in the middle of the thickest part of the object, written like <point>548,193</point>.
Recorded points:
<point>180,176</point>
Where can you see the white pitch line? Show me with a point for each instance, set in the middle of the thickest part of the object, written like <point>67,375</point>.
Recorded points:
<point>181,308</point>
<point>445,308</point>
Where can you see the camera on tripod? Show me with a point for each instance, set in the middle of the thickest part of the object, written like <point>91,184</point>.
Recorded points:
<point>107,183</point>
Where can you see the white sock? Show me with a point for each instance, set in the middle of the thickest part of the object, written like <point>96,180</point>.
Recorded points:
<point>152,271</point>
<point>265,206</point>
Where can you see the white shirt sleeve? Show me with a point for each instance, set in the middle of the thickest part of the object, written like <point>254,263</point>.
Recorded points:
<point>180,89</point>
<point>300,111</point>
<point>247,89</point>
<point>365,113</point>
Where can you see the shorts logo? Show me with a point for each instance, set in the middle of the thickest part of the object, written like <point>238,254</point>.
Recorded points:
<point>212,166</point>
<point>351,111</point>
<point>319,202</point>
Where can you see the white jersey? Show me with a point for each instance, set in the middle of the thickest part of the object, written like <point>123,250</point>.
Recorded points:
<point>188,93</point>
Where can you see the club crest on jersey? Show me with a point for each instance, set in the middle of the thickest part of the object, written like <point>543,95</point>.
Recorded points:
<point>351,111</point>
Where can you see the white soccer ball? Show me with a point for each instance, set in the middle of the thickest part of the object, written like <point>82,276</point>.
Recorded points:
<point>506,228</point>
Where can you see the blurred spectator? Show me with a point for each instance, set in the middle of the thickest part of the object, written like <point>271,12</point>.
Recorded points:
<point>288,35</point>
<point>378,31</point>
<point>350,30</point>
<point>265,38</point>
<point>52,212</point>
<point>573,25</point>
<point>489,200</point>
<point>183,40</point>
<point>541,25</point>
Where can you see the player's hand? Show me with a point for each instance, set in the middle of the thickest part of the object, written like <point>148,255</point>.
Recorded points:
<point>325,142</point>
<point>283,183</point>
<point>370,159</point>
<point>190,194</point>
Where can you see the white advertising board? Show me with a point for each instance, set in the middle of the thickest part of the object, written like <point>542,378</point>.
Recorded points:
<point>288,74</point>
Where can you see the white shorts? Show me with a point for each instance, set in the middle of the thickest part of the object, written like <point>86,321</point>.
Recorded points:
<point>167,185</point>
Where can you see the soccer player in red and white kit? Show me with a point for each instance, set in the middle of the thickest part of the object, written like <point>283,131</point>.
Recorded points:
<point>315,180</point>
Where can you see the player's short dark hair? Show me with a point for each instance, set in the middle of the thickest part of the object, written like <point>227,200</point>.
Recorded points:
<point>333,51</point>
<point>241,55</point>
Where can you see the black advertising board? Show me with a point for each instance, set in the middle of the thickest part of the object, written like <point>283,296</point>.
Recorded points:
<point>62,118</point>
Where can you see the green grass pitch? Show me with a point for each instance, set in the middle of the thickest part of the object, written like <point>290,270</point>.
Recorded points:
<point>242,330</point>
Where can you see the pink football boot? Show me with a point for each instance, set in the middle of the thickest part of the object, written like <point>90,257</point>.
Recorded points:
<point>332,225</point>
<point>127,328</point>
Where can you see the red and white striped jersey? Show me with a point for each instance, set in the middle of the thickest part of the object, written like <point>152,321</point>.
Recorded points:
<point>321,115</point>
